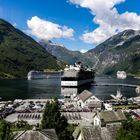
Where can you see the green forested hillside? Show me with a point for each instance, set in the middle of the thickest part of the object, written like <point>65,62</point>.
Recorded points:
<point>19,53</point>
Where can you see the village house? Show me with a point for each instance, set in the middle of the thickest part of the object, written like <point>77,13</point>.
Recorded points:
<point>46,134</point>
<point>104,118</point>
<point>86,99</point>
<point>96,133</point>
<point>87,133</point>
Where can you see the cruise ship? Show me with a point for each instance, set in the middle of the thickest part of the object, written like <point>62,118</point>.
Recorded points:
<point>42,75</point>
<point>121,75</point>
<point>77,75</point>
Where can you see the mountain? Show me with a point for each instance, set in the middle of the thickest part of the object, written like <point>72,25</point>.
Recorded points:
<point>19,53</point>
<point>120,52</point>
<point>64,54</point>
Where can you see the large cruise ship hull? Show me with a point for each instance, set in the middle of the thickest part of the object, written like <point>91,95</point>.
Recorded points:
<point>75,83</point>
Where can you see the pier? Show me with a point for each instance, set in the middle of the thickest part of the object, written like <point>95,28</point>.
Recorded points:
<point>124,85</point>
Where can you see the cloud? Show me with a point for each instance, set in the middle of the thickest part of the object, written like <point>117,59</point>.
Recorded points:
<point>108,18</point>
<point>83,50</point>
<point>47,30</point>
<point>15,25</point>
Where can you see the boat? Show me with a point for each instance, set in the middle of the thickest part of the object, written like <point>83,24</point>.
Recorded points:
<point>118,95</point>
<point>42,75</point>
<point>77,75</point>
<point>138,89</point>
<point>121,75</point>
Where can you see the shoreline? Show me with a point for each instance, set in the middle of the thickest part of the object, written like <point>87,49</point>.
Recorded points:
<point>134,76</point>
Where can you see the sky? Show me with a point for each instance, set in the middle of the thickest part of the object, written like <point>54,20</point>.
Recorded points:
<point>77,24</point>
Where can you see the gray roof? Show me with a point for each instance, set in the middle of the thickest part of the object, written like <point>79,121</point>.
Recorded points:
<point>85,95</point>
<point>76,132</point>
<point>50,133</point>
<point>91,133</point>
<point>113,129</point>
<point>97,133</point>
<point>46,134</point>
<point>112,116</point>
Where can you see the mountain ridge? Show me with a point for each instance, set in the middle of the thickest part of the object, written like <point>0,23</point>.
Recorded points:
<point>20,53</point>
<point>119,52</point>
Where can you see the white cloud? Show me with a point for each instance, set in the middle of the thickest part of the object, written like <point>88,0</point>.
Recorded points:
<point>46,30</point>
<point>83,51</point>
<point>108,18</point>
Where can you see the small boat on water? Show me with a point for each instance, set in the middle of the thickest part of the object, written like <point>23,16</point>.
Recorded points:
<point>118,95</point>
<point>138,89</point>
<point>121,75</point>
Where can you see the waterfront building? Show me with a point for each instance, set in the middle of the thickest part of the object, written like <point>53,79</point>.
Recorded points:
<point>87,99</point>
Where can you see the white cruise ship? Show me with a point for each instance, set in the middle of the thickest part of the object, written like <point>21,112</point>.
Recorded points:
<point>77,75</point>
<point>121,75</point>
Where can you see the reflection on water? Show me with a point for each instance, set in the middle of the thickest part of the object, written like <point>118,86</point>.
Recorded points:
<point>44,88</point>
<point>50,88</point>
<point>71,92</point>
<point>104,92</point>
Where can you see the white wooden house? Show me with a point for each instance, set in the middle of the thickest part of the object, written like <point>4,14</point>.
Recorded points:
<point>108,117</point>
<point>87,99</point>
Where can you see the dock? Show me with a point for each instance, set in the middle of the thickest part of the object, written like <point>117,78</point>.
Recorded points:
<point>123,85</point>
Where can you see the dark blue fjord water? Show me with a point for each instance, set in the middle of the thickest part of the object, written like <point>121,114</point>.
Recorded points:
<point>49,88</point>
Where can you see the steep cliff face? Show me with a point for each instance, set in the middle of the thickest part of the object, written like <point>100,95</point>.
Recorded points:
<point>19,53</point>
<point>120,52</point>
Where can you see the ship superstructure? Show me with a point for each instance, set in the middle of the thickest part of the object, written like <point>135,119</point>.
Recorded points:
<point>77,75</point>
